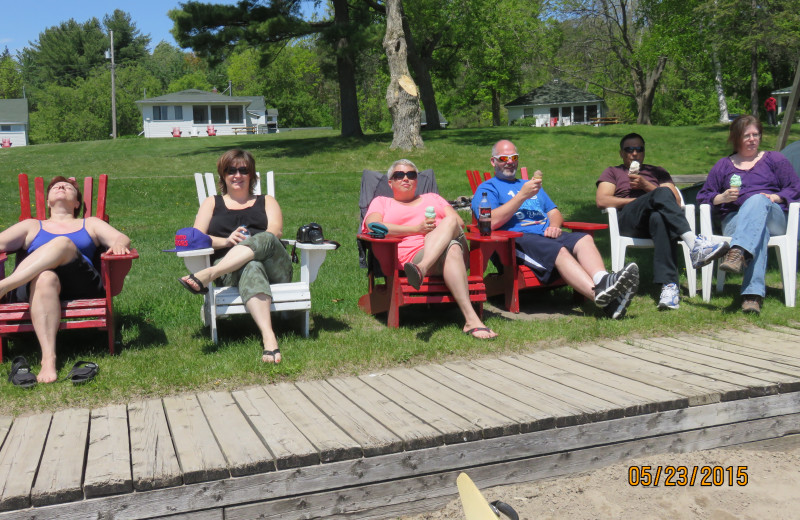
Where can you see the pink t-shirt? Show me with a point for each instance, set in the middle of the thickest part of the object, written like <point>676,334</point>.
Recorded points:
<point>393,212</point>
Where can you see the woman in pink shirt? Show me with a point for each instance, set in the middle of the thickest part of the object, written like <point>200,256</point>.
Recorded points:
<point>429,246</point>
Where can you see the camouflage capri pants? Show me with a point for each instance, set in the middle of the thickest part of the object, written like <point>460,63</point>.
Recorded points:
<point>272,264</point>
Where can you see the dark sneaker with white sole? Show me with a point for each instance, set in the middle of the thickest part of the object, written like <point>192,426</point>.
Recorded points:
<point>615,285</point>
<point>618,307</point>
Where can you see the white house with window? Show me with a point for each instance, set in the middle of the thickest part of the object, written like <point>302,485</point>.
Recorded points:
<point>191,113</point>
<point>556,104</point>
<point>13,122</point>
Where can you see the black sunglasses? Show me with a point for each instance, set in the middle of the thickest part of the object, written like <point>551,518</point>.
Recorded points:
<point>233,169</point>
<point>397,175</point>
<point>631,149</point>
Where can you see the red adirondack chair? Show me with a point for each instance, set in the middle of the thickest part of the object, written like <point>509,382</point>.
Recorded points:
<point>210,130</point>
<point>396,292</point>
<point>75,314</point>
<point>514,277</point>
<point>6,143</point>
<point>176,132</point>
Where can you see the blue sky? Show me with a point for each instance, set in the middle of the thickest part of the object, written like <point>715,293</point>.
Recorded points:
<point>21,21</point>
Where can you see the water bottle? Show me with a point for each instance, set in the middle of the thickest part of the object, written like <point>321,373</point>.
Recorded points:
<point>245,232</point>
<point>484,217</point>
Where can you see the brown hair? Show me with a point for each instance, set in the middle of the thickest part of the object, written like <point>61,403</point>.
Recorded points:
<point>227,159</point>
<point>738,127</point>
<point>74,184</point>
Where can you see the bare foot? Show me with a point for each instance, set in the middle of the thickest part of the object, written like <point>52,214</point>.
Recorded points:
<point>48,372</point>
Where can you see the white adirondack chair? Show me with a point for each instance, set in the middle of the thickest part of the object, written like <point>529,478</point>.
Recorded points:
<point>619,243</point>
<point>225,301</point>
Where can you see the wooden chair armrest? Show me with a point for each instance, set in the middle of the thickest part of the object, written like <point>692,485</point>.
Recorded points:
<point>387,240</point>
<point>114,269</point>
<point>385,252</point>
<point>108,257</point>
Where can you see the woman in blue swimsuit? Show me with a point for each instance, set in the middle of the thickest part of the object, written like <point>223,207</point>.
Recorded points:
<point>58,265</point>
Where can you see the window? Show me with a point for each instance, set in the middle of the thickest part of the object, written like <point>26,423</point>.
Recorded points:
<point>200,114</point>
<point>217,114</point>
<point>5,128</point>
<point>578,112</point>
<point>527,112</point>
<point>159,113</point>
<point>235,114</point>
<point>566,112</point>
<point>178,113</point>
<point>554,112</point>
<point>591,112</point>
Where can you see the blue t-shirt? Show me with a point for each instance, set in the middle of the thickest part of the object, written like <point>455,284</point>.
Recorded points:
<point>531,217</point>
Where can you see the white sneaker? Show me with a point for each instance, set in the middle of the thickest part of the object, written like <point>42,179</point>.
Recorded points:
<point>670,297</point>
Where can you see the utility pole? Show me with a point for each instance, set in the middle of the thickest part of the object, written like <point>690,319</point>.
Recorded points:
<point>113,90</point>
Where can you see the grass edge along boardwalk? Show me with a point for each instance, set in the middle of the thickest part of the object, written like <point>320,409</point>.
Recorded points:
<point>386,444</point>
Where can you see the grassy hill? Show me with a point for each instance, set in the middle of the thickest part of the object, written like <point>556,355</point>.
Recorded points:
<point>167,350</point>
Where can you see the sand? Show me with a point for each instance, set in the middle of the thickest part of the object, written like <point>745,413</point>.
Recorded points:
<point>772,491</point>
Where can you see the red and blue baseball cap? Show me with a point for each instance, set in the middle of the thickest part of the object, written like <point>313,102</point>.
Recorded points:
<point>188,239</point>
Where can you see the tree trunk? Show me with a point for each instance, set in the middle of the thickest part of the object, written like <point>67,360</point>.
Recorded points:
<point>754,81</point>
<point>402,95</point>
<point>646,93</point>
<point>723,103</point>
<point>346,72</point>
<point>495,107</point>
<point>423,76</point>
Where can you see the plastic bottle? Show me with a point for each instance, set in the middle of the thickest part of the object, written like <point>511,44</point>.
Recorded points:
<point>484,217</point>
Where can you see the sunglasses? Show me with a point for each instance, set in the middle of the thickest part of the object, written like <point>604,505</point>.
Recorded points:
<point>233,169</point>
<point>506,158</point>
<point>398,175</point>
<point>631,149</point>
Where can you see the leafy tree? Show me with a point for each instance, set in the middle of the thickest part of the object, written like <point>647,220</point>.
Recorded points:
<point>10,77</point>
<point>129,44</point>
<point>192,80</point>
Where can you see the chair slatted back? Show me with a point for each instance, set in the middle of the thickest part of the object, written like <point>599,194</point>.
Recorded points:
<point>206,185</point>
<point>40,202</point>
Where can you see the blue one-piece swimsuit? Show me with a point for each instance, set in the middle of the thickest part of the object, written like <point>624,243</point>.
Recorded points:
<point>81,238</point>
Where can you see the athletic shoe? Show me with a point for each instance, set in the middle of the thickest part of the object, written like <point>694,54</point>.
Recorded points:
<point>615,285</point>
<point>618,307</point>
<point>735,261</point>
<point>670,297</point>
<point>705,251</point>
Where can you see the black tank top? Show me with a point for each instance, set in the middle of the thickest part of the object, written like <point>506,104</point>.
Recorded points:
<point>224,220</point>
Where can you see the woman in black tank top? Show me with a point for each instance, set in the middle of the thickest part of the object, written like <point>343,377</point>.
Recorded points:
<point>245,232</point>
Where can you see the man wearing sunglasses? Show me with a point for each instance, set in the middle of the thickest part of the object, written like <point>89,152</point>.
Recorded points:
<point>524,206</point>
<point>648,206</point>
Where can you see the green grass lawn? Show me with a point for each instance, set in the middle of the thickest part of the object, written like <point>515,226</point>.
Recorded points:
<point>166,348</point>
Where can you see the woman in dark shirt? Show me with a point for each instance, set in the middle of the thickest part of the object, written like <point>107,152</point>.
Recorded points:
<point>245,231</point>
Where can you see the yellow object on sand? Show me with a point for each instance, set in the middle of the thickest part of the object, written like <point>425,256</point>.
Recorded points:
<point>475,506</point>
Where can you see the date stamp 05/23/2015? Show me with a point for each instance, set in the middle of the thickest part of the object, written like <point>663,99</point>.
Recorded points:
<point>682,476</point>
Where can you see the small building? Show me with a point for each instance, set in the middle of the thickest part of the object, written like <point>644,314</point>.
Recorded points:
<point>13,122</point>
<point>192,111</point>
<point>557,103</point>
<point>782,97</point>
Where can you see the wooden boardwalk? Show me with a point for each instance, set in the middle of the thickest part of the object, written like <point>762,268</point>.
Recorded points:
<point>387,444</point>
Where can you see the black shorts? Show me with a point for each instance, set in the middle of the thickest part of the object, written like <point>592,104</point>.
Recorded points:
<point>79,279</point>
<point>539,252</point>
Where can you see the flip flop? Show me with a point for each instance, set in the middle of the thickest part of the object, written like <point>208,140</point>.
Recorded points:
<point>471,332</point>
<point>272,353</point>
<point>413,274</point>
<point>203,289</point>
<point>82,372</point>
<point>20,374</point>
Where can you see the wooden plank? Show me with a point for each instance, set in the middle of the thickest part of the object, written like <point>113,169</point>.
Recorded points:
<point>415,433</point>
<point>5,426</point>
<point>287,444</point>
<point>108,463</point>
<point>640,370</point>
<point>19,460</point>
<point>693,373</point>
<point>242,447</point>
<point>199,454</point>
<point>153,460</point>
<point>61,468</point>
<point>329,440</point>
<point>491,422</point>
<point>528,417</point>
<point>787,348</point>
<point>453,427</point>
<point>353,473</point>
<point>786,374</point>
<point>399,497</point>
<point>590,409</point>
<point>208,514</point>
<point>766,353</point>
<point>373,437</point>
<point>651,396</point>
<point>560,414</point>
<point>757,379</point>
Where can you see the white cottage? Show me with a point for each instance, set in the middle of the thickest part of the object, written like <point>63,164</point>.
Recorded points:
<point>191,113</point>
<point>13,122</point>
<point>782,97</point>
<point>556,103</point>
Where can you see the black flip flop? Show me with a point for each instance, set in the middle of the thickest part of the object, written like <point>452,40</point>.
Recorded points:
<point>82,372</point>
<point>272,353</point>
<point>413,274</point>
<point>203,289</point>
<point>20,374</point>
